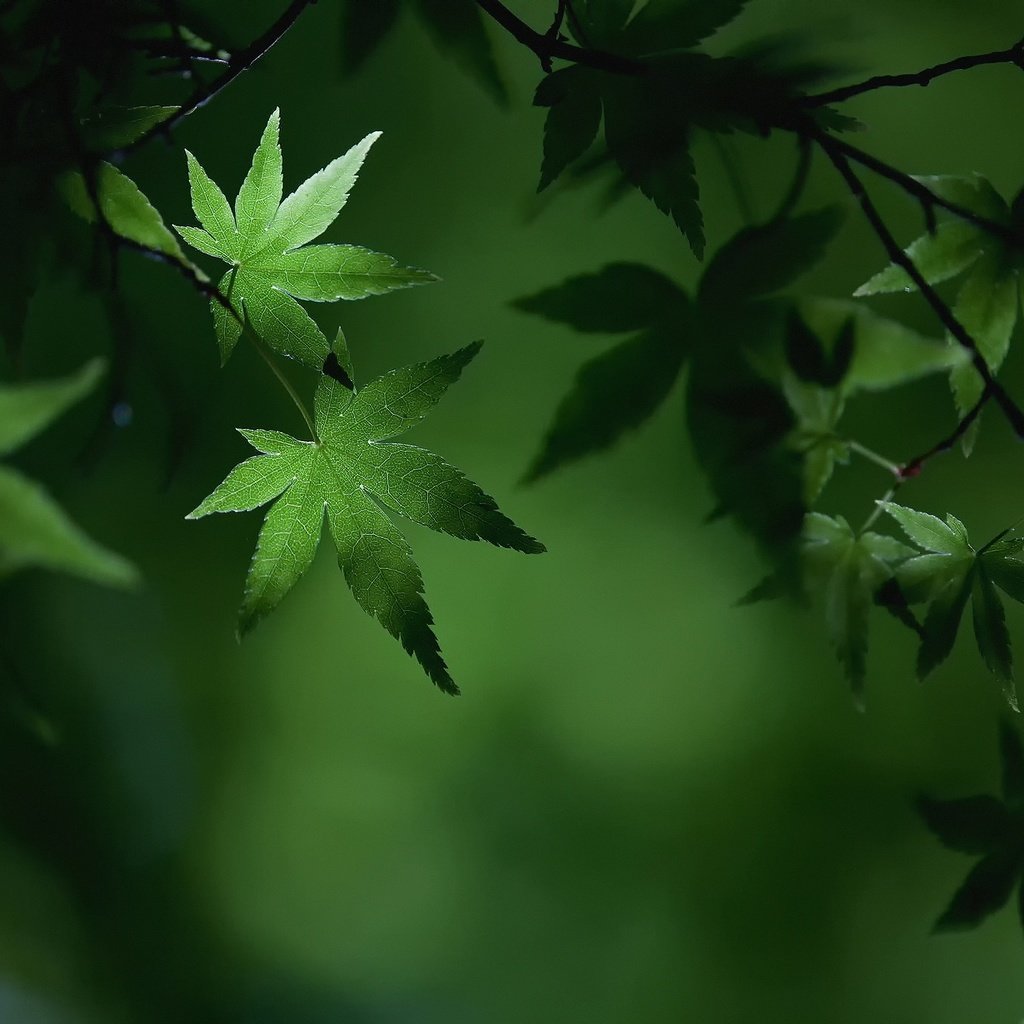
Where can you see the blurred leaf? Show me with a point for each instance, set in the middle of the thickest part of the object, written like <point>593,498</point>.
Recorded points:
<point>807,357</point>
<point>272,267</point>
<point>846,571</point>
<point>885,353</point>
<point>1012,760</point>
<point>991,633</point>
<point>759,261</point>
<point>574,116</point>
<point>972,824</point>
<point>34,530</point>
<point>649,138</point>
<point>677,24</point>
<point>619,297</point>
<point>363,25</point>
<point>26,409</point>
<point>985,890</point>
<point>458,28</point>
<point>612,394</point>
<point>349,471</point>
<point>114,127</point>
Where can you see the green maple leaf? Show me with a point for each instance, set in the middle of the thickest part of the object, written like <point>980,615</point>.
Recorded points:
<point>848,570</point>
<point>264,239</point>
<point>949,575</point>
<point>990,827</point>
<point>349,472</point>
<point>987,302</point>
<point>34,530</point>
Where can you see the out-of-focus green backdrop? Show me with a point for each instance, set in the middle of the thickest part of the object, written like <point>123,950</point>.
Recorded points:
<point>649,805</point>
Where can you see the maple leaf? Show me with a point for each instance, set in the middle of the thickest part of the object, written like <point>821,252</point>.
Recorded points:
<point>349,471</point>
<point>990,827</point>
<point>988,300</point>
<point>264,239</point>
<point>34,530</point>
<point>949,575</point>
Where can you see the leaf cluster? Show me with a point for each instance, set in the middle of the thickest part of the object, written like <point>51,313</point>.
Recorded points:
<point>650,118</point>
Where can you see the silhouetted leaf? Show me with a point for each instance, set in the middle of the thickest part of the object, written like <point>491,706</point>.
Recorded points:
<point>985,890</point>
<point>649,138</point>
<point>458,28</point>
<point>974,824</point>
<point>364,23</point>
<point>762,260</point>
<point>574,116</point>
<point>612,394</point>
<point>620,297</point>
<point>677,24</point>
<point>1011,758</point>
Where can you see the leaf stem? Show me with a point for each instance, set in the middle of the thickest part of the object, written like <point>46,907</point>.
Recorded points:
<point>282,379</point>
<point>873,456</point>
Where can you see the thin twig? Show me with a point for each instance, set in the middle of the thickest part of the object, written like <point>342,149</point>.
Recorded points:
<point>546,48</point>
<point>993,389</point>
<point>240,61</point>
<point>1012,55</point>
<point>924,195</point>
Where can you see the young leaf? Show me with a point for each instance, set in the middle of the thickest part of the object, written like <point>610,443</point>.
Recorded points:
<point>350,471</point>
<point>272,266</point>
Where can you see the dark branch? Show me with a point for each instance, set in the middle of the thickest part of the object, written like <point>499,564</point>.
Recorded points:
<point>547,47</point>
<point>240,61</point>
<point>924,195</point>
<point>993,389</point>
<point>914,466</point>
<point>1011,55</point>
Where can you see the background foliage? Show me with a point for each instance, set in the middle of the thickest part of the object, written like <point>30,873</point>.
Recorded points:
<point>649,804</point>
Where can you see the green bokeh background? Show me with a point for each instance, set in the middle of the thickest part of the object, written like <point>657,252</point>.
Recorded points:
<point>649,805</point>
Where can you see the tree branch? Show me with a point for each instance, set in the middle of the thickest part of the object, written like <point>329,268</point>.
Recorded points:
<point>546,47</point>
<point>239,62</point>
<point>993,390</point>
<point>1012,55</point>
